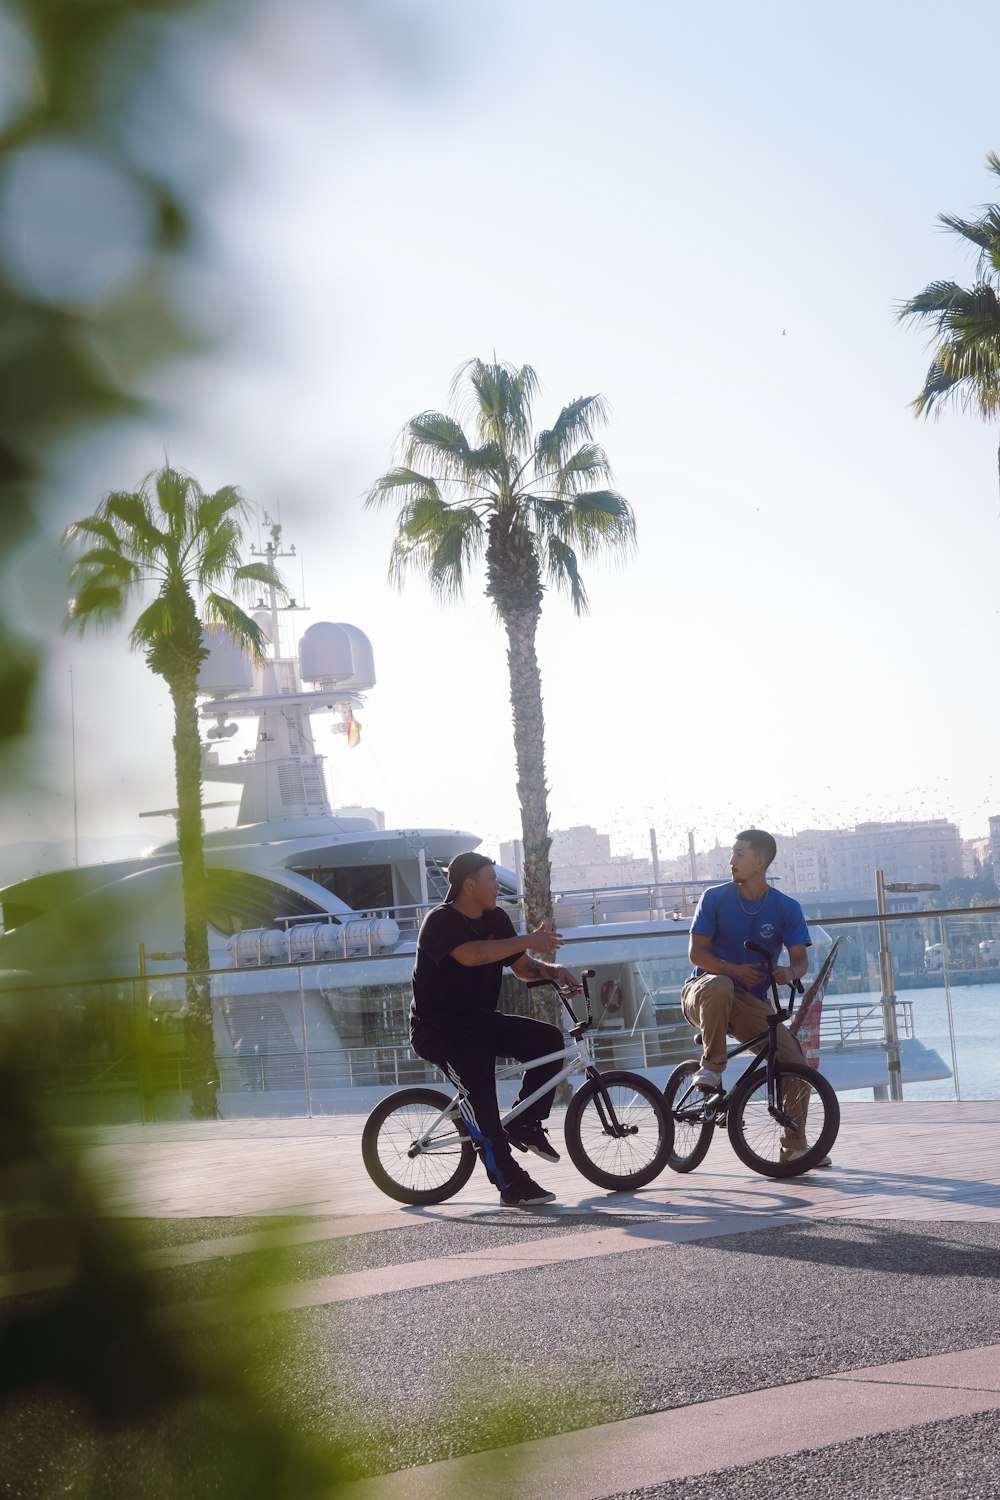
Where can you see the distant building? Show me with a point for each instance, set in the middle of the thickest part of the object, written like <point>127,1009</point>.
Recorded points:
<point>812,862</point>
<point>582,860</point>
<point>845,859</point>
<point>995,849</point>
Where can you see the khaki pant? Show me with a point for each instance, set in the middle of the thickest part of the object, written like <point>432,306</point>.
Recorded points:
<point>719,1008</point>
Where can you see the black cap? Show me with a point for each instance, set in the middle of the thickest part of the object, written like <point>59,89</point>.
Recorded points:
<point>461,867</point>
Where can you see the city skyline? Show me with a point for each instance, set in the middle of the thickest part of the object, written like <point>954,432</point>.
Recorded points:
<point>582,854</point>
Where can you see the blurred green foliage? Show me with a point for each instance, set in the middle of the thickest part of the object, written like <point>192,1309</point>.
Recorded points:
<point>96,1399</point>
<point>79,322</point>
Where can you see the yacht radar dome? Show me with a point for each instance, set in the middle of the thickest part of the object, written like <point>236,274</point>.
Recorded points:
<point>227,668</point>
<point>337,656</point>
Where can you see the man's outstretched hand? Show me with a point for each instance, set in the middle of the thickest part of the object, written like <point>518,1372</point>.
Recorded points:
<point>544,941</point>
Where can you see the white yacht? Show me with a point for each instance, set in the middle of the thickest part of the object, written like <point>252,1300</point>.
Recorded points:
<point>312,914</point>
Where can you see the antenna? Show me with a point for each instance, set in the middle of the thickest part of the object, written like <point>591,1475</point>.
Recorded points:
<point>72,739</point>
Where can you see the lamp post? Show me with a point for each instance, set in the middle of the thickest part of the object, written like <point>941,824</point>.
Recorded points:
<point>893,1065</point>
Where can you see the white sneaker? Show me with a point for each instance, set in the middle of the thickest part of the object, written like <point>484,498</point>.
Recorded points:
<point>787,1155</point>
<point>708,1079</point>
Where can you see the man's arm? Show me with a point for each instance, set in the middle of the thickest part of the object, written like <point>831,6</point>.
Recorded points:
<point>497,950</point>
<point>528,968</point>
<point>701,955</point>
<point>797,965</point>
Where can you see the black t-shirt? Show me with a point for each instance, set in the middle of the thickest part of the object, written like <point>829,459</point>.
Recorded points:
<point>445,992</point>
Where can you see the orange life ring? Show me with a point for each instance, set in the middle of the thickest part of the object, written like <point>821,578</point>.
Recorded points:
<point>611,995</point>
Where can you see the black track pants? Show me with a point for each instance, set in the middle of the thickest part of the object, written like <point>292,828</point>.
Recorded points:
<point>468,1059</point>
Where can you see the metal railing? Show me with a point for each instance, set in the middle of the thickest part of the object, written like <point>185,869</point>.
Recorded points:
<point>300,1038</point>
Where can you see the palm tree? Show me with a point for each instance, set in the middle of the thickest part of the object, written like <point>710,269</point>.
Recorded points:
<point>186,544</point>
<point>965,322</point>
<point>530,503</point>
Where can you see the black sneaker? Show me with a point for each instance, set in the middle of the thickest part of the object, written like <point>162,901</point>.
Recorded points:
<point>531,1135</point>
<point>523,1193</point>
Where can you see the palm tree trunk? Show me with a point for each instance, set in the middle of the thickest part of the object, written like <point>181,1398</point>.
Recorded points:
<point>200,1039</point>
<point>532,792</point>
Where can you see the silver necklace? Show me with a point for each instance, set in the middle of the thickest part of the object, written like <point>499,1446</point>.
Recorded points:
<point>752,911</point>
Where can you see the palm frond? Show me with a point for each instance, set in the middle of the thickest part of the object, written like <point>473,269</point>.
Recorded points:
<point>98,603</point>
<point>983,232</point>
<point>499,397</point>
<point>225,614</point>
<point>107,561</point>
<point>130,515</point>
<point>216,551</point>
<point>563,572</point>
<point>439,543</point>
<point>969,377</point>
<point>175,492</point>
<point>601,523</point>
<point>935,301</point>
<point>448,561</point>
<point>426,517</point>
<point>224,504</point>
<point>401,485</point>
<point>258,572</point>
<point>573,426</point>
<point>436,442</point>
<point>92,526</point>
<point>154,624</point>
<point>546,513</point>
<point>965,337</point>
<point>581,469</point>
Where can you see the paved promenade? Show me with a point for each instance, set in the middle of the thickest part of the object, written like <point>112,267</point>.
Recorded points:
<point>718,1334</point>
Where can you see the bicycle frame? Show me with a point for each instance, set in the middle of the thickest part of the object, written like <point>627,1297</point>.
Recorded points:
<point>714,1106</point>
<point>580,1058</point>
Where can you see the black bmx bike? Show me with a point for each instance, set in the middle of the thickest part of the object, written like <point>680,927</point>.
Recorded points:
<point>757,1109</point>
<point>619,1135</point>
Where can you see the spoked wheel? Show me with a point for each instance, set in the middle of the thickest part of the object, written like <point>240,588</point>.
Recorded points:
<point>692,1132</point>
<point>437,1170</point>
<point>618,1133</point>
<point>767,1145</point>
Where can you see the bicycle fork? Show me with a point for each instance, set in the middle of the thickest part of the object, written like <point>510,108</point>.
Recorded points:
<point>610,1123</point>
<point>774,1103</point>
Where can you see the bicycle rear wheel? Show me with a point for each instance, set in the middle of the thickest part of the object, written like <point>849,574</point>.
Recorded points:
<point>390,1154</point>
<point>692,1132</point>
<point>626,1103</point>
<point>757,1138</point>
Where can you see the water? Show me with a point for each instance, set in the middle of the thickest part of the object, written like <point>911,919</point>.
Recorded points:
<point>976,1015</point>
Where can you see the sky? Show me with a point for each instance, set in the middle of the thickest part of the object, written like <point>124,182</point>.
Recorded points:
<point>706,213</point>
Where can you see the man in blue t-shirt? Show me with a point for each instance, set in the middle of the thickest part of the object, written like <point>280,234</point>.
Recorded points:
<point>727,993</point>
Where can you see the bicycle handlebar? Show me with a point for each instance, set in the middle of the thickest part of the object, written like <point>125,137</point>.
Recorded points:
<point>585,974</point>
<point>796,987</point>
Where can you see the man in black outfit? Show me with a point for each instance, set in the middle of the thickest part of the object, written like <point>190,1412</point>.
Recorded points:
<point>454,1022</point>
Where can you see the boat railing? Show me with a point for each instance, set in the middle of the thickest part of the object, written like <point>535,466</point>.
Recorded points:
<point>846,1022</point>
<point>664,901</point>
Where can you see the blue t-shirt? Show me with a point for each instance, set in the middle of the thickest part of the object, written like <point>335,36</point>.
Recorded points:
<point>774,921</point>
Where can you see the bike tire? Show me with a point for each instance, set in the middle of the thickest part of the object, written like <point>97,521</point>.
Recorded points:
<point>619,1163</point>
<point>692,1136</point>
<point>390,1131</point>
<point>756,1137</point>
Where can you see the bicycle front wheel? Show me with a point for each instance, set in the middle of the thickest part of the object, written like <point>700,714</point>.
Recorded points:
<point>768,1145</point>
<point>618,1133</point>
<point>686,1106</point>
<point>410,1158</point>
